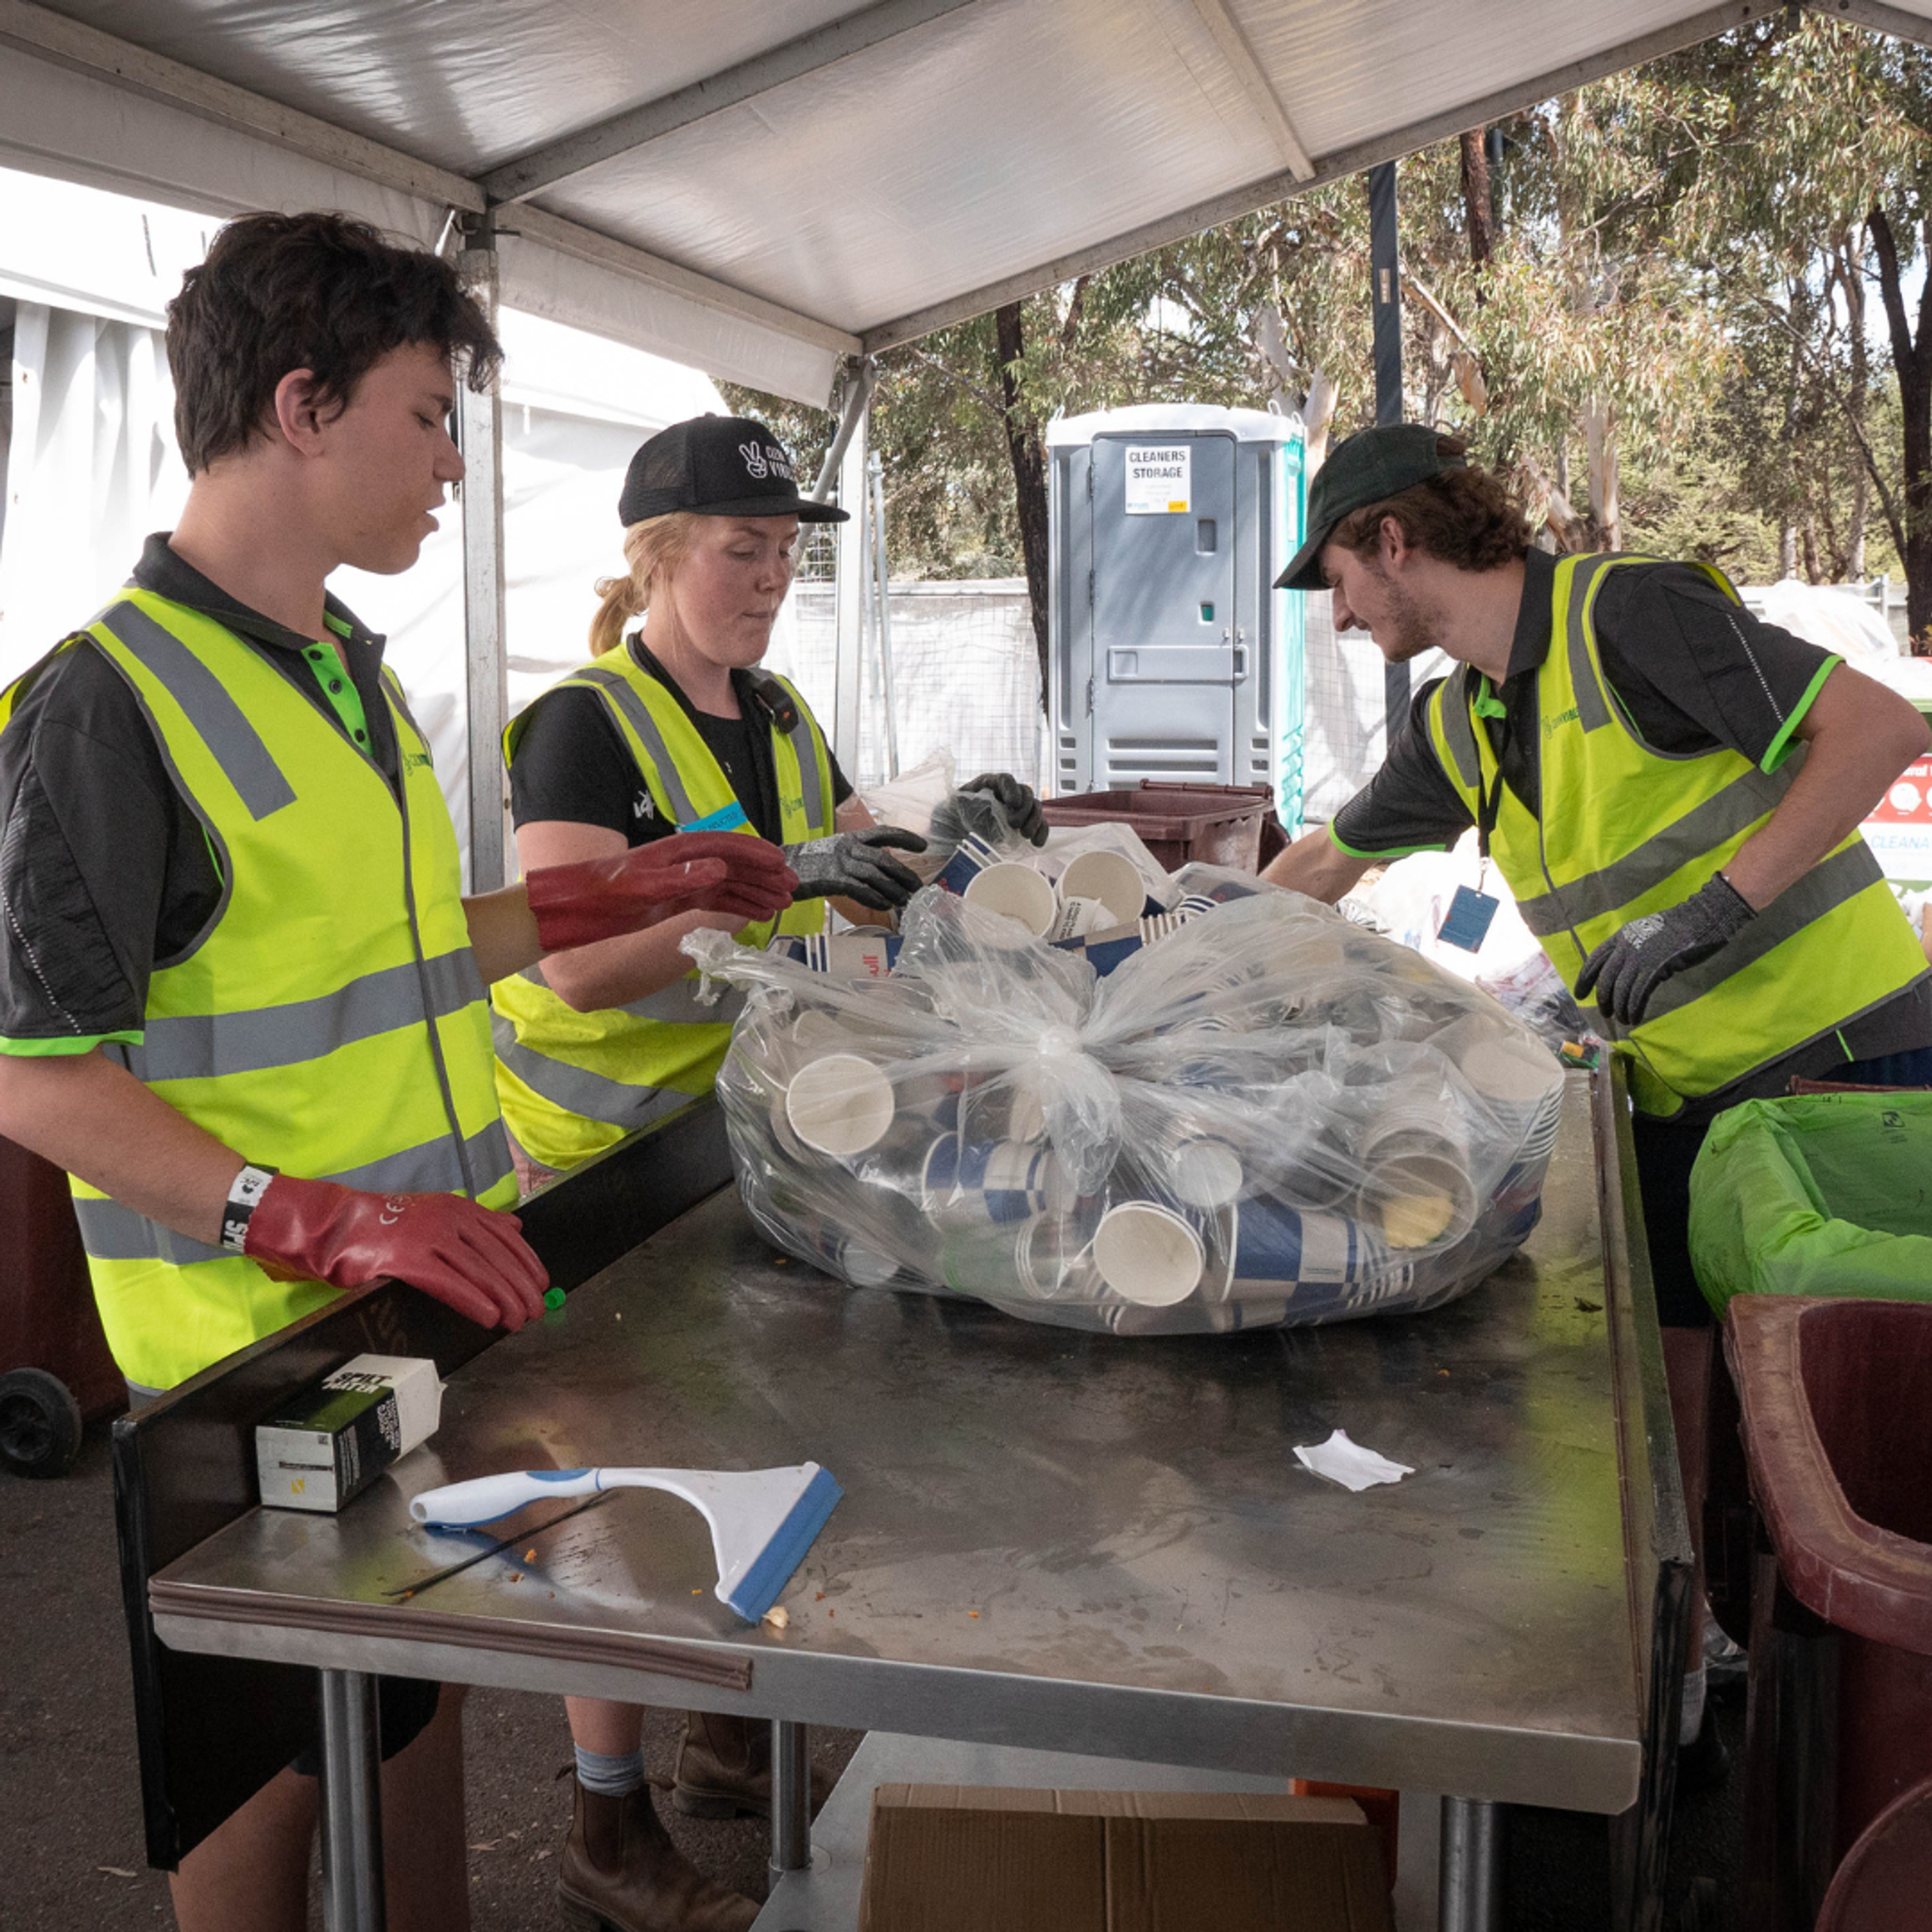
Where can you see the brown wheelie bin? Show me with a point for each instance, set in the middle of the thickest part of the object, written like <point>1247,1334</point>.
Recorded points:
<point>1835,1398</point>
<point>55,1372</point>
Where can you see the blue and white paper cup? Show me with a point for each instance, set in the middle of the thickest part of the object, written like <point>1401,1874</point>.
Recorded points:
<point>972,857</point>
<point>1275,1245</point>
<point>999,1185</point>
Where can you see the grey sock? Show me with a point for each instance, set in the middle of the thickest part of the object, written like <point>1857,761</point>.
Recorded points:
<point>616,1775</point>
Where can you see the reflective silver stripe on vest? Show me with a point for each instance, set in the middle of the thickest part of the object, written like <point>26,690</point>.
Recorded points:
<point>616,688</point>
<point>1827,886</point>
<point>813,790</point>
<point>232,741</point>
<point>199,1046</point>
<point>1592,711</point>
<point>577,1090</point>
<point>1459,731</point>
<point>1701,830</point>
<point>110,1232</point>
<point>676,1004</point>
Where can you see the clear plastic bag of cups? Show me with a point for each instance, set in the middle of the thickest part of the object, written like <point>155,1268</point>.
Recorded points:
<point>1261,1115</point>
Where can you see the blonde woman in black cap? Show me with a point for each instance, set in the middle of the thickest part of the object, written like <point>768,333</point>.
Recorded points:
<point>673,727</point>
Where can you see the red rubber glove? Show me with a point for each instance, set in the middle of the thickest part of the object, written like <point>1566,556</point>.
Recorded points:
<point>690,872</point>
<point>472,1258</point>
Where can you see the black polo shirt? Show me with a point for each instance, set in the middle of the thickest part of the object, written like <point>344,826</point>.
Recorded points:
<point>1696,672</point>
<point>572,762</point>
<point>105,871</point>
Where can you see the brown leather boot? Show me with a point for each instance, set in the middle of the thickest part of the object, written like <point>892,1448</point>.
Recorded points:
<point>621,1872</point>
<point>723,1768</point>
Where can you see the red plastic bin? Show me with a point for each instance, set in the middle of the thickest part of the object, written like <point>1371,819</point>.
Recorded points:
<point>1213,824</point>
<point>1835,1399</point>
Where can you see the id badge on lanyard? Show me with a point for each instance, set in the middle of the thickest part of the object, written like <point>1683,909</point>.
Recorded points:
<point>1471,912</point>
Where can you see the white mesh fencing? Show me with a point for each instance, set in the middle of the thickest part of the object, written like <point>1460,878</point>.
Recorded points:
<point>966,675</point>
<point>1344,738</point>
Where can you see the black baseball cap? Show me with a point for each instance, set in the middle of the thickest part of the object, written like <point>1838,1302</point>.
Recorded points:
<point>1368,467</point>
<point>716,467</point>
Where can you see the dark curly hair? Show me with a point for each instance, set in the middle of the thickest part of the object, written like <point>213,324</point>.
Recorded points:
<point>1466,517</point>
<point>318,291</point>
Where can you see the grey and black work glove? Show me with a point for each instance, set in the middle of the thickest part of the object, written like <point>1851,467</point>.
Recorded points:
<point>1630,966</point>
<point>992,802</point>
<point>857,865</point>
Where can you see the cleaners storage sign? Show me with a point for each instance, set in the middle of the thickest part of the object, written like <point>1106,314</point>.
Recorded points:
<point>1159,475</point>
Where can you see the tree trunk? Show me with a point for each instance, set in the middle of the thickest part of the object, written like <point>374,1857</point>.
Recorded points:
<point>1600,441</point>
<point>1851,279</point>
<point>1479,209</point>
<point>1912,361</point>
<point>1029,462</point>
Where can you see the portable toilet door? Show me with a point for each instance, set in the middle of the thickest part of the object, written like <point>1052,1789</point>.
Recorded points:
<point>1167,520</point>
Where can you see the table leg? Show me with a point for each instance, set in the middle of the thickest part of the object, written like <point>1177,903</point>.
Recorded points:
<point>1471,1891</point>
<point>791,1796</point>
<point>351,1804</point>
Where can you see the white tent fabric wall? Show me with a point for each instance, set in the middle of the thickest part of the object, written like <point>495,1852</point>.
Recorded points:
<point>966,675</point>
<point>91,469</point>
<point>575,409</point>
<point>1345,734</point>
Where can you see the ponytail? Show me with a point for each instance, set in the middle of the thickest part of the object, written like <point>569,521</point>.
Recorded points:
<point>652,548</point>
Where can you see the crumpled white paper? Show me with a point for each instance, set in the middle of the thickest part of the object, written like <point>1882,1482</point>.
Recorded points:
<point>1348,1463</point>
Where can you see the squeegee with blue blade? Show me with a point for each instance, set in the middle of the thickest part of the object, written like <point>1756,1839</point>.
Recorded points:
<point>763,1521</point>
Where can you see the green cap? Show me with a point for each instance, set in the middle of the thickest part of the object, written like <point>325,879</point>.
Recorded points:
<point>1368,467</point>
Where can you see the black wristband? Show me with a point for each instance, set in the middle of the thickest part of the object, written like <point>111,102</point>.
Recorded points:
<point>250,1185</point>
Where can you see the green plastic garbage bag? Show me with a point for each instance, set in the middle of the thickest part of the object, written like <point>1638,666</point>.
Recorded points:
<point>1821,1194</point>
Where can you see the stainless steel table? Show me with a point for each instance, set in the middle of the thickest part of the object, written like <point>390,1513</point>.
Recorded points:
<point>1077,1542</point>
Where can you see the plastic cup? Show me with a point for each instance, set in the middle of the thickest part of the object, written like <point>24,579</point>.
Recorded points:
<point>1016,891</point>
<point>840,1104</point>
<point>1109,877</point>
<point>1148,1254</point>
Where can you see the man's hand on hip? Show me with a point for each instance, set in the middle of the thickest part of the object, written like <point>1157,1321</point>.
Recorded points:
<point>474,1259</point>
<point>1628,967</point>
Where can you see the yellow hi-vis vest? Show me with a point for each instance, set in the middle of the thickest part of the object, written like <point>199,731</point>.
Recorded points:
<point>1625,829</point>
<point>572,1083</point>
<point>329,1021</point>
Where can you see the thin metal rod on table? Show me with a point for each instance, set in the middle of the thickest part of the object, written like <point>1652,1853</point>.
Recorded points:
<point>351,1804</point>
<point>1472,1894</point>
<point>791,1796</point>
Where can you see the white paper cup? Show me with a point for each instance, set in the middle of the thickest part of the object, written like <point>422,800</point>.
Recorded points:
<point>1204,1173</point>
<point>1016,890</point>
<point>1148,1254</point>
<point>840,1104</point>
<point>1519,1083</point>
<point>1075,918</point>
<point>1109,877</point>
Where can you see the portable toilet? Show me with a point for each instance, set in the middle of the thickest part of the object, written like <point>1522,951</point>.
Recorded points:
<point>1173,655</point>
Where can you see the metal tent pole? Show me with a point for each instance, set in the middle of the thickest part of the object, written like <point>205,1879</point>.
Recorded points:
<point>1470,1896</point>
<point>1386,273</point>
<point>883,579</point>
<point>480,431</point>
<point>848,678</point>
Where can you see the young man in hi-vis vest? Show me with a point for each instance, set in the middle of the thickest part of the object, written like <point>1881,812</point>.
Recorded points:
<point>242,998</point>
<point>1672,789</point>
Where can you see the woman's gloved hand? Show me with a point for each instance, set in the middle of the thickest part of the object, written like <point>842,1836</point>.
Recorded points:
<point>474,1259</point>
<point>857,865</point>
<point>729,872</point>
<point>988,805</point>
